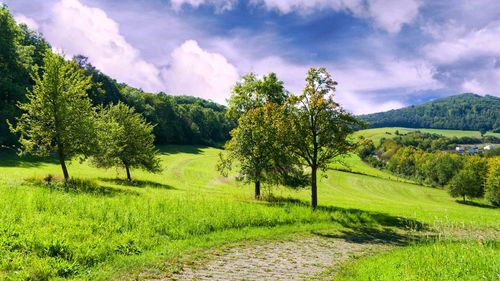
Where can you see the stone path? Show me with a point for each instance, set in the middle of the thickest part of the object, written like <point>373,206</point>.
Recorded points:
<point>301,259</point>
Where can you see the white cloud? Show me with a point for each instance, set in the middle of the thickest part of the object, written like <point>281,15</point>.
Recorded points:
<point>31,23</point>
<point>485,82</point>
<point>194,71</point>
<point>389,15</point>
<point>80,29</point>
<point>465,45</point>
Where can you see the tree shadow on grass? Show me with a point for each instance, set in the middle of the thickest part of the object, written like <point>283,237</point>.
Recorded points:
<point>365,224</point>
<point>369,235</point>
<point>78,186</point>
<point>9,158</point>
<point>174,149</point>
<point>475,204</point>
<point>137,183</point>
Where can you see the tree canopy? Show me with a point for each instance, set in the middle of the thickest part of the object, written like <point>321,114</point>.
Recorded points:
<point>58,115</point>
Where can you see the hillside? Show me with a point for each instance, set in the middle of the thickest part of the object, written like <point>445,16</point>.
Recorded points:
<point>461,112</point>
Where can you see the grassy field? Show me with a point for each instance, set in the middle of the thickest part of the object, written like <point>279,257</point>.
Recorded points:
<point>106,228</point>
<point>449,261</point>
<point>378,133</point>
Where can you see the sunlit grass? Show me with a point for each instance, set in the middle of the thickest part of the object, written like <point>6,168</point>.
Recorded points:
<point>102,226</point>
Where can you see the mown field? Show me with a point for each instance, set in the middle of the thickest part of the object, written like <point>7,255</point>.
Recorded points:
<point>105,228</point>
<point>378,133</point>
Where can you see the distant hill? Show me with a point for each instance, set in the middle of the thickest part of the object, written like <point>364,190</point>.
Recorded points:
<point>460,112</point>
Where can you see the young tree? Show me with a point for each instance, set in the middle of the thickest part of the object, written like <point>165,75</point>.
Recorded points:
<point>319,127</point>
<point>259,141</point>
<point>492,186</point>
<point>470,180</point>
<point>58,115</point>
<point>125,140</point>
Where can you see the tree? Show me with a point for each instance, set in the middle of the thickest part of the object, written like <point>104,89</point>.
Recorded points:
<point>58,115</point>
<point>253,92</point>
<point>125,140</point>
<point>470,180</point>
<point>492,185</point>
<point>259,141</point>
<point>319,127</point>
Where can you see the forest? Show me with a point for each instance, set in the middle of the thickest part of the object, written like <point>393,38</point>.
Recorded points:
<point>460,112</point>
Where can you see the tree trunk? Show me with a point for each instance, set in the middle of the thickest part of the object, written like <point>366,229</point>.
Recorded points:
<point>464,198</point>
<point>60,153</point>
<point>129,178</point>
<point>257,189</point>
<point>314,188</point>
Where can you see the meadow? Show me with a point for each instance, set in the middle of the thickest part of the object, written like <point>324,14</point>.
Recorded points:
<point>104,227</point>
<point>376,134</point>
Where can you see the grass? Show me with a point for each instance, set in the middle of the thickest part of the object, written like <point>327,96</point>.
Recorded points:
<point>441,260</point>
<point>104,227</point>
<point>378,133</point>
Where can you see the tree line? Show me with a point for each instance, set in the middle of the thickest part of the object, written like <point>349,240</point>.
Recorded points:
<point>461,112</point>
<point>279,134</point>
<point>419,156</point>
<point>178,119</point>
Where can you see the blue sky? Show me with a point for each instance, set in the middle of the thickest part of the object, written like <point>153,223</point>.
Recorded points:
<point>384,54</point>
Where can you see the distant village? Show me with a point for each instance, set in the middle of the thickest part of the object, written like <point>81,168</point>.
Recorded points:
<point>473,149</point>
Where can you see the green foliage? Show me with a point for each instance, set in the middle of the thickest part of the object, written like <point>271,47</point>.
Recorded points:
<point>440,260</point>
<point>461,112</point>
<point>470,180</point>
<point>438,168</point>
<point>253,92</point>
<point>319,127</point>
<point>260,141</point>
<point>126,140</point>
<point>58,116</point>
<point>20,49</point>
<point>492,185</point>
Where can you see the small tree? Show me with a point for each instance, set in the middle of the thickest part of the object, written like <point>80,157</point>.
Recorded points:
<point>125,140</point>
<point>469,182</point>
<point>319,127</point>
<point>58,115</point>
<point>492,186</point>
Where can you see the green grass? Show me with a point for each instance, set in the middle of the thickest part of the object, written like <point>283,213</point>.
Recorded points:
<point>378,133</point>
<point>106,228</point>
<point>473,260</point>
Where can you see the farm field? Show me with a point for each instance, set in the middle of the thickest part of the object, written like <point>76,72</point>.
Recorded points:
<point>376,134</point>
<point>110,229</point>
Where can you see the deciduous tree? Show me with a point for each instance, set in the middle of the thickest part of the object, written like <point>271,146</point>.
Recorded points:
<point>58,115</point>
<point>125,140</point>
<point>319,127</point>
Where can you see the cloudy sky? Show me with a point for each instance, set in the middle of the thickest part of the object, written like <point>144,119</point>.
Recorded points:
<point>384,54</point>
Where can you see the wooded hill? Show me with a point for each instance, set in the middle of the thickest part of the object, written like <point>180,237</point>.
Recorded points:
<point>460,112</point>
<point>177,119</point>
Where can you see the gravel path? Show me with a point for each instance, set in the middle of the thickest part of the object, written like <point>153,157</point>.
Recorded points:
<point>301,259</point>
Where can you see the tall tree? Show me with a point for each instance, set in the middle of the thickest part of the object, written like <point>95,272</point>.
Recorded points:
<point>58,115</point>
<point>319,127</point>
<point>492,185</point>
<point>125,140</point>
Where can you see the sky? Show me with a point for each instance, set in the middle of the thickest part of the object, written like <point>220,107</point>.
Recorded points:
<point>384,54</point>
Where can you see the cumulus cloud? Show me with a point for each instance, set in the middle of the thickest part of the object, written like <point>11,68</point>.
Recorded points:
<point>194,71</point>
<point>31,23</point>
<point>79,29</point>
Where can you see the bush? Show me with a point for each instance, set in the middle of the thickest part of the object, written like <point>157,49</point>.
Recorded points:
<point>492,185</point>
<point>470,180</point>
